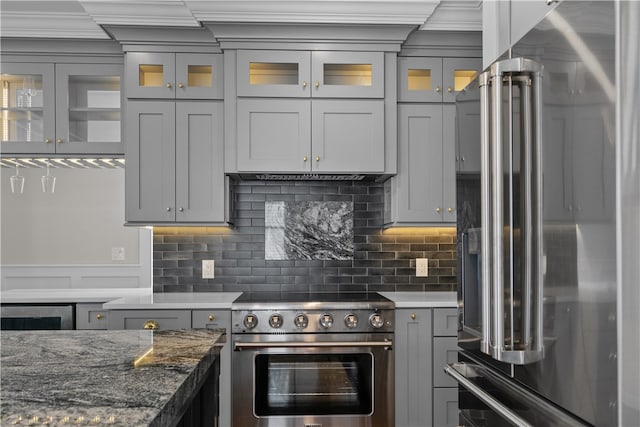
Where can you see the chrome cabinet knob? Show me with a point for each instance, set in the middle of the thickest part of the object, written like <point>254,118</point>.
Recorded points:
<point>59,140</point>
<point>48,140</point>
<point>169,209</point>
<point>169,85</point>
<point>181,209</point>
<point>449,89</point>
<point>449,210</point>
<point>438,209</point>
<point>180,85</point>
<point>151,325</point>
<point>438,89</point>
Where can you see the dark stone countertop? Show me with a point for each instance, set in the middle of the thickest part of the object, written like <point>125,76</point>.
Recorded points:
<point>118,378</point>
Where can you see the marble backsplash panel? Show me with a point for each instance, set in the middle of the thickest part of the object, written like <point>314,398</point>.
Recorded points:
<point>383,260</point>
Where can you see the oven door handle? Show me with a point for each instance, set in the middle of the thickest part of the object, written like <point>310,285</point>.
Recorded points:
<point>299,344</point>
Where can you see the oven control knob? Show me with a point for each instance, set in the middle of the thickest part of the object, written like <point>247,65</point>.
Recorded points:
<point>351,321</point>
<point>376,320</point>
<point>301,321</point>
<point>275,321</point>
<point>326,321</point>
<point>250,321</point>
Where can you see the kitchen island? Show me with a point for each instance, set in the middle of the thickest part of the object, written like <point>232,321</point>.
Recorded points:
<point>118,378</point>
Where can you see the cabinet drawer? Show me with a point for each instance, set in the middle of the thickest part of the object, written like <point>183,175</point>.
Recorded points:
<point>91,316</point>
<point>445,322</point>
<point>445,351</point>
<point>212,319</point>
<point>136,319</point>
<point>445,407</point>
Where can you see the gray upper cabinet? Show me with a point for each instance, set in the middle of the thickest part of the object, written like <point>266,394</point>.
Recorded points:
<point>174,162</point>
<point>174,75</point>
<point>427,79</point>
<point>62,108</point>
<point>320,74</point>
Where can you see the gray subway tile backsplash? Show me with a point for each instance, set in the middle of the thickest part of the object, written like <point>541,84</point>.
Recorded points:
<point>383,260</point>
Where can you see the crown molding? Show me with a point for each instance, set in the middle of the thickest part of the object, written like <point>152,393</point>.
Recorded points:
<point>50,25</point>
<point>455,15</point>
<point>412,12</point>
<point>172,13</point>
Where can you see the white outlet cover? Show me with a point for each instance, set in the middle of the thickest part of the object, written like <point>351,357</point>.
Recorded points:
<point>422,267</point>
<point>117,254</point>
<point>208,268</point>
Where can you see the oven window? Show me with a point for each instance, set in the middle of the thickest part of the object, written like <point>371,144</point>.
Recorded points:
<point>316,384</point>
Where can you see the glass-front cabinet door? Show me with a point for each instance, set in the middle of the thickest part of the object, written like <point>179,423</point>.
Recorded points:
<point>274,73</point>
<point>423,79</point>
<point>174,75</point>
<point>28,114</point>
<point>88,118</point>
<point>347,74</point>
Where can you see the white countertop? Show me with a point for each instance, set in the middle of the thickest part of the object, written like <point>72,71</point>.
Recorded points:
<point>423,299</point>
<point>174,300</point>
<point>69,295</point>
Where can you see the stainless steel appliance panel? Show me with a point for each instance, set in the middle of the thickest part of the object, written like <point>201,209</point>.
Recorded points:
<point>37,317</point>
<point>575,46</point>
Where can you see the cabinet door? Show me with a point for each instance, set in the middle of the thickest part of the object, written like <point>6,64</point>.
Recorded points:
<point>28,108</point>
<point>445,407</point>
<point>150,161</point>
<point>150,75</point>
<point>199,76</point>
<point>347,136</point>
<point>449,163</point>
<point>199,162</point>
<point>91,316</point>
<point>457,73</point>
<point>347,74</point>
<point>419,79</point>
<point>219,319</point>
<point>445,322</point>
<point>162,319</point>
<point>419,179</point>
<point>468,136</point>
<point>445,351</point>
<point>274,135</point>
<point>274,73</point>
<point>413,368</point>
<point>88,105</point>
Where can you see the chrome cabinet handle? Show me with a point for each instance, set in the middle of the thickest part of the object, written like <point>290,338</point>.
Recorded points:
<point>151,325</point>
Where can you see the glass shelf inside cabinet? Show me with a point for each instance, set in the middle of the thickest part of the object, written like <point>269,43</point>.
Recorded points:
<point>272,73</point>
<point>94,108</point>
<point>22,108</point>
<point>348,74</point>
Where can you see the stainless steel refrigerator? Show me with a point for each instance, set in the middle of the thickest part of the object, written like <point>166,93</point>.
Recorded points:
<point>536,200</point>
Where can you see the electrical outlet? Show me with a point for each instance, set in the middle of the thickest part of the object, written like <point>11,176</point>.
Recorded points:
<point>422,267</point>
<point>117,254</point>
<point>207,268</point>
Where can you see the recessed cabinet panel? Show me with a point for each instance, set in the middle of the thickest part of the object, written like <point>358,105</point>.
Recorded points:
<point>445,407</point>
<point>150,171</point>
<point>28,108</point>
<point>347,74</point>
<point>445,351</point>
<point>199,162</point>
<point>347,136</point>
<point>275,135</point>
<point>92,123</point>
<point>274,73</point>
<point>160,319</point>
<point>449,163</point>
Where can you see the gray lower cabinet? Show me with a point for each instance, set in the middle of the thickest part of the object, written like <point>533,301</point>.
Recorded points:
<point>219,319</point>
<point>175,170</point>
<point>91,316</point>
<point>413,368</point>
<point>150,319</point>
<point>296,135</point>
<point>423,191</point>
<point>426,340</point>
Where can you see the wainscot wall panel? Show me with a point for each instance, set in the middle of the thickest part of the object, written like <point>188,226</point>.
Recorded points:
<point>383,259</point>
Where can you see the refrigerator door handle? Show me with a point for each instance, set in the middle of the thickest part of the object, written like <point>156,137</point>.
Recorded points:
<point>485,200</point>
<point>486,398</point>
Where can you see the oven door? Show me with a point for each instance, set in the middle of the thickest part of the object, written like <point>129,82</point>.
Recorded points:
<point>313,380</point>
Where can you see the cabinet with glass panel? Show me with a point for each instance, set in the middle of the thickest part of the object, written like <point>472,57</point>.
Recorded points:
<point>338,128</point>
<point>61,108</point>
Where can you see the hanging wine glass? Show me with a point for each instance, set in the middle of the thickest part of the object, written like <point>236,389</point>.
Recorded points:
<point>48,182</point>
<point>17,182</point>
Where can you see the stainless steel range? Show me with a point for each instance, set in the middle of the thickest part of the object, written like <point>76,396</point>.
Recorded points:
<point>312,360</point>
